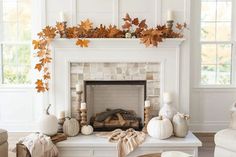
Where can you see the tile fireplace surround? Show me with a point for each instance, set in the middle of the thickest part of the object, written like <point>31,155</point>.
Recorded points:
<point>124,59</point>
<point>122,71</point>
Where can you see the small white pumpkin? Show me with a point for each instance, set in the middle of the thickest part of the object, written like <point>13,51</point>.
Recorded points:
<point>160,128</point>
<point>48,124</point>
<point>180,125</point>
<point>87,130</point>
<point>71,127</point>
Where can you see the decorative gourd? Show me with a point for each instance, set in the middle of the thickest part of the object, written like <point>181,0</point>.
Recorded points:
<point>71,127</point>
<point>180,125</point>
<point>160,128</point>
<point>87,130</point>
<point>167,111</point>
<point>48,124</point>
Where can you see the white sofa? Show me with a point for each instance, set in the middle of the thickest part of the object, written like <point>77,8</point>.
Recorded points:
<point>225,140</point>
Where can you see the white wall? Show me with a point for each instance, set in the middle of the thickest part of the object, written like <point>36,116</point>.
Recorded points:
<point>208,107</point>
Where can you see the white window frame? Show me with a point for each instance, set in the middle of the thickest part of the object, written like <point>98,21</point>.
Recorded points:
<point>38,22</point>
<point>196,46</point>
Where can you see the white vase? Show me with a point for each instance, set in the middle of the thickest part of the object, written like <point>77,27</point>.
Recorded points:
<point>167,111</point>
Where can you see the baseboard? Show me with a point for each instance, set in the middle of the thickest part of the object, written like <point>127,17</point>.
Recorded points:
<point>13,127</point>
<point>208,127</point>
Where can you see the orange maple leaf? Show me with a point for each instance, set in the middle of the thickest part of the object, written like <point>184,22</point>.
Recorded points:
<point>127,18</point>
<point>41,53</point>
<point>49,32</point>
<point>135,21</point>
<point>36,44</point>
<point>143,24</point>
<point>127,25</point>
<point>60,26</point>
<point>87,25</point>
<point>38,66</point>
<point>82,42</point>
<point>46,76</point>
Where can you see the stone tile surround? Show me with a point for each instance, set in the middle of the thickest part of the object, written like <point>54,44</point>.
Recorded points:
<point>117,71</point>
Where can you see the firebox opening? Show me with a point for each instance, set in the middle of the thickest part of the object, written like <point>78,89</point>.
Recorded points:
<point>115,104</point>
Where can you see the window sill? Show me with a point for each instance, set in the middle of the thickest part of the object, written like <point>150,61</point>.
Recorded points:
<point>9,87</point>
<point>230,88</point>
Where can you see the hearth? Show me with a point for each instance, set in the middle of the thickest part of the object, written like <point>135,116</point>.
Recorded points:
<point>115,104</point>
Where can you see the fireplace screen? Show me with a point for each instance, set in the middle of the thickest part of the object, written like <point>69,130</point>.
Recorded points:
<point>115,104</point>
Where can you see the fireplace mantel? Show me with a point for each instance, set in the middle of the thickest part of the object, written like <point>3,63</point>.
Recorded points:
<point>115,43</point>
<point>65,52</point>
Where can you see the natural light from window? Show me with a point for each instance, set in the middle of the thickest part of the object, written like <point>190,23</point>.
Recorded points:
<point>15,40</point>
<point>216,46</point>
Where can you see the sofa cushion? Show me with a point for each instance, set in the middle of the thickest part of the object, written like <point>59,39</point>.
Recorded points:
<point>3,136</point>
<point>226,139</point>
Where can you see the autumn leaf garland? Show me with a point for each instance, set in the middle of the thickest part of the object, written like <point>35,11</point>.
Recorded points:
<point>137,28</point>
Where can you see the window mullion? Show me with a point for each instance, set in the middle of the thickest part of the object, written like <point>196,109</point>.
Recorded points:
<point>1,63</point>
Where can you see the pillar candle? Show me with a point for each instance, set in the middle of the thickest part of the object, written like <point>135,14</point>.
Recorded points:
<point>78,87</point>
<point>147,103</point>
<point>170,15</point>
<point>62,115</point>
<point>83,105</point>
<point>62,16</point>
<point>167,97</point>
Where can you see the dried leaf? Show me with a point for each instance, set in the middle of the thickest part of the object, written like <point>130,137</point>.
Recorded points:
<point>38,66</point>
<point>135,21</point>
<point>40,86</point>
<point>60,26</point>
<point>127,25</point>
<point>87,25</point>
<point>127,18</point>
<point>82,42</point>
<point>143,24</point>
<point>49,32</point>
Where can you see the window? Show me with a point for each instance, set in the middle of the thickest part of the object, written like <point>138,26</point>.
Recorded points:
<point>216,42</point>
<point>15,41</point>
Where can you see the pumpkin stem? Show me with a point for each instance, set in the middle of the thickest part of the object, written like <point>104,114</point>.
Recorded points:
<point>47,110</point>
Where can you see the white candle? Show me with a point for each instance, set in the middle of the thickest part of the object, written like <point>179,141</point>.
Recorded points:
<point>62,16</point>
<point>147,103</point>
<point>83,105</point>
<point>167,97</point>
<point>170,15</point>
<point>78,87</point>
<point>62,115</point>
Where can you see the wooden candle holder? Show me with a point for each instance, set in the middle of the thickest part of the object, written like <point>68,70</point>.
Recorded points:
<point>60,125</point>
<point>170,24</point>
<point>83,113</point>
<point>62,32</point>
<point>147,117</point>
<point>79,100</point>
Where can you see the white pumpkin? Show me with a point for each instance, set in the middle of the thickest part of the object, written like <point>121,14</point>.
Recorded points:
<point>160,128</point>
<point>48,124</point>
<point>180,125</point>
<point>87,130</point>
<point>71,127</point>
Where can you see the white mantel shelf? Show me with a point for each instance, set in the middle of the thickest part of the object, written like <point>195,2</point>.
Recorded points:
<point>118,43</point>
<point>89,146</point>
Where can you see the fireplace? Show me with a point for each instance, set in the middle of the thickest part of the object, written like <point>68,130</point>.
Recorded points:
<point>116,60</point>
<point>118,103</point>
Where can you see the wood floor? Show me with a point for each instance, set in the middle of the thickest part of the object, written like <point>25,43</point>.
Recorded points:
<point>206,151</point>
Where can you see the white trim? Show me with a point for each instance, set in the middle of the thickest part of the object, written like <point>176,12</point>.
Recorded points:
<point>198,42</point>
<point>158,13</point>
<point>74,12</point>
<point>116,14</point>
<point>208,126</point>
